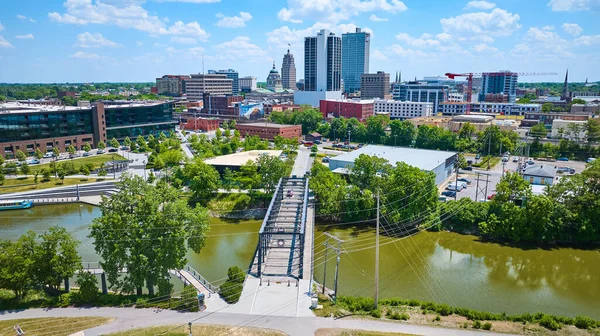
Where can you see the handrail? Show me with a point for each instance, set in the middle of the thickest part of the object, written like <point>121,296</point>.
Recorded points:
<point>304,204</point>
<point>264,224</point>
<point>211,288</point>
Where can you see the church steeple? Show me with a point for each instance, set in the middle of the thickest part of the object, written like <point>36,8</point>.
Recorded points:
<point>273,65</point>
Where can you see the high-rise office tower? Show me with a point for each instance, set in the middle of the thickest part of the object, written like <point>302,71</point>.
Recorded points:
<point>499,83</point>
<point>288,71</point>
<point>323,62</point>
<point>231,74</point>
<point>355,58</point>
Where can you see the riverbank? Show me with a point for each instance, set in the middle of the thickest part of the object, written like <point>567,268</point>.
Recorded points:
<point>20,184</point>
<point>441,315</point>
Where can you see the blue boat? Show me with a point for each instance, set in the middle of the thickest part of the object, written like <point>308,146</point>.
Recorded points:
<point>15,204</point>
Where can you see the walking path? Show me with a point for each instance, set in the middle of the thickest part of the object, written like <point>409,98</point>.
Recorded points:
<point>130,318</point>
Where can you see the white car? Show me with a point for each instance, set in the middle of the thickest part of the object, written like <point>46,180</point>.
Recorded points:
<point>49,155</point>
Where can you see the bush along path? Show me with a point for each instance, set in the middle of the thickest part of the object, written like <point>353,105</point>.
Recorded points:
<point>419,312</point>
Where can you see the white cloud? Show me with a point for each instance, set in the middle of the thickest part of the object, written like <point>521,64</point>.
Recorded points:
<point>572,29</point>
<point>124,14</point>
<point>587,40</point>
<point>25,37</point>
<point>239,48</point>
<point>4,43</point>
<point>233,21</point>
<point>189,53</point>
<point>484,5</point>
<point>574,5</point>
<point>418,42</point>
<point>542,44</point>
<point>377,55</point>
<point>139,43</point>
<point>543,35</point>
<point>1,27</point>
<point>444,37</point>
<point>84,55</point>
<point>484,48</point>
<point>335,11</point>
<point>24,18</point>
<point>498,22</point>
<point>375,18</point>
<point>96,40</point>
<point>400,51</point>
<point>183,40</point>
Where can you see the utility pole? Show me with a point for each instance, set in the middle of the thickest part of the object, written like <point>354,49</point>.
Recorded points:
<point>349,139</point>
<point>477,188</point>
<point>456,182</point>
<point>338,250</point>
<point>487,180</point>
<point>500,154</point>
<point>377,255</point>
<point>325,266</point>
<point>190,325</point>
<point>489,148</point>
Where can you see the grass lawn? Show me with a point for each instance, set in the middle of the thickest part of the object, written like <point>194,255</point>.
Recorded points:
<point>12,185</point>
<point>57,326</point>
<point>96,160</point>
<point>351,332</point>
<point>200,329</point>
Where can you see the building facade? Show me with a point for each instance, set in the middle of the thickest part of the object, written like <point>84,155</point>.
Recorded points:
<point>403,109</point>
<point>274,80</point>
<point>288,72</point>
<point>202,124</point>
<point>359,109</point>
<point>457,108</point>
<point>502,82</point>
<point>418,92</point>
<point>375,86</point>
<point>171,85</point>
<point>540,174</point>
<point>231,74</point>
<point>30,128</point>
<point>247,84</point>
<point>569,129</point>
<point>323,62</point>
<point>533,118</point>
<point>220,104</point>
<point>198,84</point>
<point>269,131</point>
<point>355,59</point>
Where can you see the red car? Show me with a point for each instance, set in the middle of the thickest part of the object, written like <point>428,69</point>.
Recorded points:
<point>491,196</point>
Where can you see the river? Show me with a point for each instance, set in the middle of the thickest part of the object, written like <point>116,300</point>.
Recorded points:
<point>431,266</point>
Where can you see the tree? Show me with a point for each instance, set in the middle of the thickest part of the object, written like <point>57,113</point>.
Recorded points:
<point>376,128</point>
<point>202,178</point>
<point>17,260</point>
<point>114,143</point>
<point>162,137</point>
<point>38,154</point>
<point>512,187</point>
<point>547,107</point>
<point>148,235</point>
<point>86,147</point>
<point>189,298</point>
<point>1,160</point>
<point>172,157</point>
<point>71,150</point>
<point>218,134</point>
<point>270,169</point>
<point>467,131</point>
<point>141,142</point>
<point>88,287</point>
<point>21,156</point>
<point>127,142</point>
<point>538,131</point>
<point>369,171</point>
<point>2,178</point>
<point>279,142</point>
<point>227,133</point>
<point>25,169</point>
<point>45,175</point>
<point>84,170</point>
<point>308,117</point>
<point>231,290</point>
<point>592,129</point>
<point>578,101</point>
<point>61,175</point>
<point>314,149</point>
<point>56,257</point>
<point>102,173</point>
<point>101,145</point>
<point>56,151</point>
<point>35,178</point>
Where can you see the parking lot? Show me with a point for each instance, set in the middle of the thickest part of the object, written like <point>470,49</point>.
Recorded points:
<point>495,174</point>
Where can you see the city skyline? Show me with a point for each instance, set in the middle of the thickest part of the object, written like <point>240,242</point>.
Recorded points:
<point>138,40</point>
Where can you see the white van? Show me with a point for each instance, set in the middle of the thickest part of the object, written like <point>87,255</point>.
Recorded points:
<point>453,186</point>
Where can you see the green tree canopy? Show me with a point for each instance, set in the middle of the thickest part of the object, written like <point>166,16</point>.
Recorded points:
<point>202,178</point>
<point>114,143</point>
<point>87,147</point>
<point>38,154</point>
<point>20,155</point>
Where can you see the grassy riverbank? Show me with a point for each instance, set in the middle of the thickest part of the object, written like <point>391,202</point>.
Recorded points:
<point>418,312</point>
<point>20,184</point>
<point>96,160</point>
<point>199,329</point>
<point>56,326</point>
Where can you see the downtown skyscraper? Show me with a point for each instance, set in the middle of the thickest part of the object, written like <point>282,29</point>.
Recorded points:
<point>323,62</point>
<point>355,58</point>
<point>288,71</point>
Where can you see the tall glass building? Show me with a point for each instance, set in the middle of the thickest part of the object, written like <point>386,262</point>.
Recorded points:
<point>355,58</point>
<point>502,82</point>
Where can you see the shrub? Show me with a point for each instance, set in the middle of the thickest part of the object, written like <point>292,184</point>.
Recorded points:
<point>88,287</point>
<point>477,324</point>
<point>189,296</point>
<point>465,325</point>
<point>584,322</point>
<point>437,318</point>
<point>399,316</point>
<point>487,326</point>
<point>376,313</point>
<point>549,322</point>
<point>231,290</point>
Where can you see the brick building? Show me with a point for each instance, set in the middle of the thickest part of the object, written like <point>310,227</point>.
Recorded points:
<point>359,109</point>
<point>269,131</point>
<point>202,124</point>
<point>220,104</point>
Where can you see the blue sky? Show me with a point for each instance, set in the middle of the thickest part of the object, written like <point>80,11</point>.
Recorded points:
<point>139,40</point>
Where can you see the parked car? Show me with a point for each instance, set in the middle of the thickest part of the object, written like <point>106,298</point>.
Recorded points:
<point>516,159</point>
<point>325,159</point>
<point>87,153</point>
<point>442,199</point>
<point>449,193</point>
<point>453,186</point>
<point>490,197</point>
<point>464,179</point>
<point>113,150</point>
<point>505,159</point>
<point>49,155</point>
<point>71,156</point>
<point>530,162</point>
<point>33,161</point>
<point>124,148</point>
<point>562,159</point>
<point>478,156</point>
<point>590,160</point>
<point>100,151</point>
<point>565,169</point>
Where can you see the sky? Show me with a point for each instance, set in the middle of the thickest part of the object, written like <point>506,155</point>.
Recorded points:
<point>56,41</point>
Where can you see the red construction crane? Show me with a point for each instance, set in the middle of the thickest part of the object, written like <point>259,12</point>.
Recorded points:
<point>470,75</point>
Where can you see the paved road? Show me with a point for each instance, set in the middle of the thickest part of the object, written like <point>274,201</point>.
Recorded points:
<point>128,318</point>
<point>302,163</point>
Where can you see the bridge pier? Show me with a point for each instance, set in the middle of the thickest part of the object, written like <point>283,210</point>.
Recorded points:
<point>103,281</point>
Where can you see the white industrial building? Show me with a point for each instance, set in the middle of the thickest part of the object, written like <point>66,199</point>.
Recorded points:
<point>569,129</point>
<point>403,109</point>
<point>441,163</point>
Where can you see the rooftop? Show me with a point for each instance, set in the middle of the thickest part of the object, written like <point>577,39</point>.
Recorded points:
<point>473,118</point>
<point>239,159</point>
<point>423,159</point>
<point>540,171</point>
<point>17,107</point>
<point>266,125</point>
<point>353,101</point>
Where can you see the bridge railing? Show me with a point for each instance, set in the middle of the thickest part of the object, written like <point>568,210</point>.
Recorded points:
<point>86,265</point>
<point>211,288</point>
